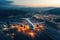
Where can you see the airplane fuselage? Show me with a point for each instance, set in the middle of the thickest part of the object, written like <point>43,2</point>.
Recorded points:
<point>30,24</point>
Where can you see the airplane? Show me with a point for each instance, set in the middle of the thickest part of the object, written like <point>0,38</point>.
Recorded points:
<point>31,25</point>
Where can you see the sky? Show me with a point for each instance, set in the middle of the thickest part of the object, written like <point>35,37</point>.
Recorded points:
<point>4,3</point>
<point>31,3</point>
<point>37,3</point>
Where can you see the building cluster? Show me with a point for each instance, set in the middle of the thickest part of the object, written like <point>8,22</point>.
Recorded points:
<point>22,28</point>
<point>45,17</point>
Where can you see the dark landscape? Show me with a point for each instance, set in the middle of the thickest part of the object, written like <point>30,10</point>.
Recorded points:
<point>28,23</point>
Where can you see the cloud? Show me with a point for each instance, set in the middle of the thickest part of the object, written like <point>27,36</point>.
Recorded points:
<point>4,3</point>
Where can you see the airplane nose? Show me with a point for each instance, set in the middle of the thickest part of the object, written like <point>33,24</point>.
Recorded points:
<point>32,28</point>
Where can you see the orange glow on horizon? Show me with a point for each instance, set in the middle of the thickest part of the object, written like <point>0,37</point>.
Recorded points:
<point>41,5</point>
<point>37,3</point>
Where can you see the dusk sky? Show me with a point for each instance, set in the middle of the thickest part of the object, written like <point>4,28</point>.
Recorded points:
<point>38,3</point>
<point>31,3</point>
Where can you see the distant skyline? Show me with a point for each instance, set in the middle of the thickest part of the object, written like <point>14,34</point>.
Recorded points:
<point>37,3</point>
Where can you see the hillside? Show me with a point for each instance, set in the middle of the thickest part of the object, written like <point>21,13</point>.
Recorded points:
<point>55,11</point>
<point>9,12</point>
